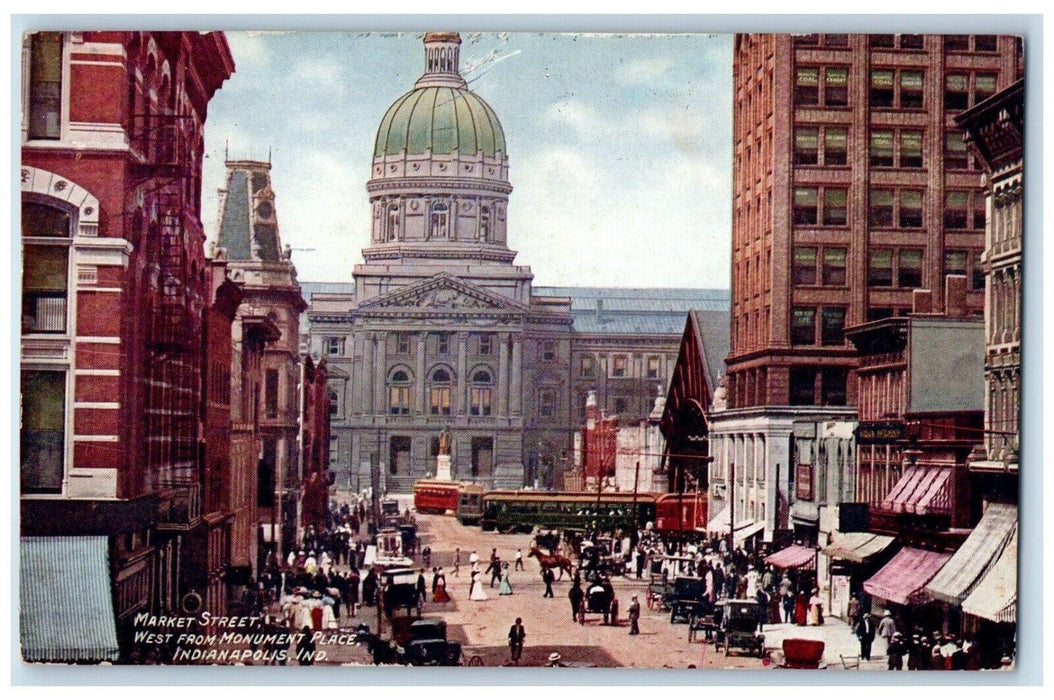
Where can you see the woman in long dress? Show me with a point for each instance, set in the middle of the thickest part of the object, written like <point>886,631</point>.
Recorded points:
<point>815,608</point>
<point>506,586</point>
<point>475,591</point>
<point>441,596</point>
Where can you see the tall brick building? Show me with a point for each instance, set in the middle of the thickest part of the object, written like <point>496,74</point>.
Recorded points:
<point>852,187</point>
<point>114,296</point>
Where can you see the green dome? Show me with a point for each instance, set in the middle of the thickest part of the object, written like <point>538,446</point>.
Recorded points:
<point>441,120</point>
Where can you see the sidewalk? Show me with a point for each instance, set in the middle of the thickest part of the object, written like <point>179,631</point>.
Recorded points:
<point>838,639</point>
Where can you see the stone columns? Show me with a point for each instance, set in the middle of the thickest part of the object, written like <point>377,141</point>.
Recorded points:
<point>503,374</point>
<point>461,393</point>
<point>381,372</point>
<point>419,380</point>
<point>368,374</point>
<point>515,388</point>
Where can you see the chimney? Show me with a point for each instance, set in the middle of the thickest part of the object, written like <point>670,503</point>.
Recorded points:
<point>955,295</point>
<point>921,301</point>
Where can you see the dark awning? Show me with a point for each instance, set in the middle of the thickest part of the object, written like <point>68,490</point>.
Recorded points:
<point>65,608</point>
<point>793,557</point>
<point>921,490</point>
<point>975,556</point>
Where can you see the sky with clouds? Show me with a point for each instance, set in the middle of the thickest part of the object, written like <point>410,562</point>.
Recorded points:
<point>619,146</point>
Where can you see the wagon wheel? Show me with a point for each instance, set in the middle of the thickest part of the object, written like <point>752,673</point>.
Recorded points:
<point>475,660</point>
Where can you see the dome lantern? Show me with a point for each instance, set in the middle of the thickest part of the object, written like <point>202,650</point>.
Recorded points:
<point>442,51</point>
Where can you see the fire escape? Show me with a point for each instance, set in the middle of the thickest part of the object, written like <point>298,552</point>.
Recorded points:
<point>165,170</point>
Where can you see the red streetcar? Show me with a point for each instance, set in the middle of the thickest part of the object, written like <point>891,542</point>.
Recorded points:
<point>431,496</point>
<point>682,513</point>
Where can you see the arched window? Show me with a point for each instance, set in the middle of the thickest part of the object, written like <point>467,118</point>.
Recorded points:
<point>399,393</point>
<point>393,222</point>
<point>46,235</point>
<point>439,393</point>
<point>481,392</point>
<point>439,222</point>
<point>484,224</point>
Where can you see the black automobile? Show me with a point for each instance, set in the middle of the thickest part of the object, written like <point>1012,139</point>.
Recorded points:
<point>687,598</point>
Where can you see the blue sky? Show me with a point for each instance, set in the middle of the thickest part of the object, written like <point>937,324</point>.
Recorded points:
<point>619,146</point>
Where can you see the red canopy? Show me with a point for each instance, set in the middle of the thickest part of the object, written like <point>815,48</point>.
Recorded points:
<point>906,574</point>
<point>793,557</point>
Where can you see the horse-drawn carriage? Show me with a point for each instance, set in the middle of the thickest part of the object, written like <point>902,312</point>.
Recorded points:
<point>399,590</point>
<point>738,625</point>
<point>424,643</point>
<point>686,599</point>
<point>599,595</point>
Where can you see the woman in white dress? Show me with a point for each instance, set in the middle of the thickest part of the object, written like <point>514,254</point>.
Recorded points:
<point>475,591</point>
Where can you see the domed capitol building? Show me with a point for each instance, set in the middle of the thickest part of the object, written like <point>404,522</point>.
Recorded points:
<point>442,330</point>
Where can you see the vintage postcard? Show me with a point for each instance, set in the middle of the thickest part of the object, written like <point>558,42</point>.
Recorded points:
<point>520,349</point>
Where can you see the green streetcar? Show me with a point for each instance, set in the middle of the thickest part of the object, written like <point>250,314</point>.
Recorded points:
<point>522,511</point>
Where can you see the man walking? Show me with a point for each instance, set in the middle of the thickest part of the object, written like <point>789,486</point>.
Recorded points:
<point>548,578</point>
<point>634,615</point>
<point>494,570</point>
<point>519,560</point>
<point>516,637</point>
<point>865,632</point>
<point>576,595</point>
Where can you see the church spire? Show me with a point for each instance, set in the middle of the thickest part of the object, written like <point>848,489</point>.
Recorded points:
<point>441,61</point>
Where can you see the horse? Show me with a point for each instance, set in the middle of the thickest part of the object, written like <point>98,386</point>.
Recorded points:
<point>552,561</point>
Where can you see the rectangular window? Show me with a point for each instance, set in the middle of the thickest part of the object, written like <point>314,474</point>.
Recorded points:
<point>807,40</point>
<point>909,269</point>
<point>587,366</point>
<point>439,401</point>
<point>803,325</point>
<point>911,149</point>
<point>45,279</point>
<point>978,276</point>
<point>880,268</point>
<point>45,85</point>
<point>804,265</point>
<point>806,144</point>
<point>956,92</point>
<point>805,201</point>
<point>880,211</point>
<point>334,402</point>
<point>832,325</point>
<point>832,386</point>
<point>881,88</point>
<point>266,480</point>
<point>911,89</point>
<point>834,206</point>
<point>834,266</point>
<point>802,386</point>
<point>956,207</point>
<point>271,393</point>
<point>546,403</point>
<point>954,262</point>
<point>654,365</point>
<point>836,40</point>
<point>911,41</point>
<point>334,346</point>
<point>618,366</point>
<point>442,343</point>
<point>881,41</point>
<point>486,344</point>
<point>836,87</point>
<point>399,400</point>
<point>834,146</point>
<point>881,148</point>
<point>43,431</point>
<point>984,86</point>
<point>549,351</point>
<point>807,87</point>
<point>986,42</point>
<point>402,343</point>
<point>956,156</point>
<point>956,42</point>
<point>979,214</point>
<point>620,405</point>
<point>910,209</point>
<point>480,401</point>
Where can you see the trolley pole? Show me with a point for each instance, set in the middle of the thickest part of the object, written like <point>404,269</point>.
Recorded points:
<point>732,507</point>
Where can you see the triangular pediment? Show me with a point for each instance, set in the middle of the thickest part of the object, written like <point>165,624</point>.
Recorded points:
<point>443,293</point>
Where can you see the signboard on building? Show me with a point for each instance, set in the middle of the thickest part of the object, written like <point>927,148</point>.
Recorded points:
<point>803,482</point>
<point>879,433</point>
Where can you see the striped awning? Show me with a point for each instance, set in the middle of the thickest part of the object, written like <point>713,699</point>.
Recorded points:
<point>978,553</point>
<point>857,547</point>
<point>65,608</point>
<point>921,490</point>
<point>995,597</point>
<point>793,557</point>
<point>903,579</point>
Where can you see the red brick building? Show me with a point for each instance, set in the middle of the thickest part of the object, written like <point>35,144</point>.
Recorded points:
<point>114,297</point>
<point>316,478</point>
<point>852,187</point>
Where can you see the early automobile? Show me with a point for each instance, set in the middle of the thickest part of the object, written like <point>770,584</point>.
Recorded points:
<point>687,599</point>
<point>399,590</point>
<point>738,626</point>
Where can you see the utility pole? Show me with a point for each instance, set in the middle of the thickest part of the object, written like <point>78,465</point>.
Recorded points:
<point>732,507</point>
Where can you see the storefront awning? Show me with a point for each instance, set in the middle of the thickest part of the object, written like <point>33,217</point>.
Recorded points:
<point>793,557</point>
<point>903,579</point>
<point>922,491</point>
<point>744,528</point>
<point>747,529</point>
<point>857,547</point>
<point>995,597</point>
<point>65,608</point>
<point>978,553</point>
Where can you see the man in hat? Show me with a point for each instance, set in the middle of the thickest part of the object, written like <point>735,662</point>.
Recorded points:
<point>886,628</point>
<point>516,637</point>
<point>895,652</point>
<point>633,612</point>
<point>554,660</point>
<point>865,632</point>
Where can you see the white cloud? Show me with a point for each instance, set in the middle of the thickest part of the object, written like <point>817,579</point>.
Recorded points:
<point>643,70</point>
<point>249,48</point>
<point>575,114</point>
